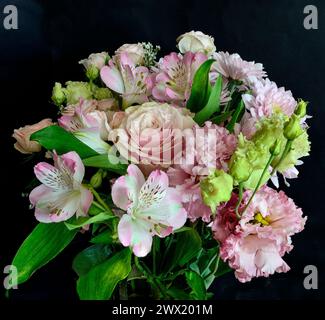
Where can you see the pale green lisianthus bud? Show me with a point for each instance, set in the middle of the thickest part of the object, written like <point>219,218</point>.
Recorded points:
<point>102,93</point>
<point>97,179</point>
<point>292,128</point>
<point>275,149</point>
<point>58,95</point>
<point>92,73</point>
<point>76,90</point>
<point>300,148</point>
<point>240,169</point>
<point>94,63</point>
<point>301,108</point>
<point>216,188</point>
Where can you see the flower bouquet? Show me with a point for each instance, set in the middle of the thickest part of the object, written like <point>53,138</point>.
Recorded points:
<point>165,165</point>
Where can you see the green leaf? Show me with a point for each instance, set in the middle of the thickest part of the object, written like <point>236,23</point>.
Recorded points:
<point>221,117</point>
<point>201,87</point>
<point>177,293</point>
<point>62,141</point>
<point>182,229</point>
<point>90,257</point>
<point>95,209</point>
<point>196,283</point>
<point>44,243</point>
<point>188,243</point>
<point>223,268</point>
<point>75,223</point>
<point>236,117</point>
<point>107,162</point>
<point>100,282</point>
<point>105,237</point>
<point>213,104</point>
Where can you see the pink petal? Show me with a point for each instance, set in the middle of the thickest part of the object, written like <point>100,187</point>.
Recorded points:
<point>50,176</point>
<point>43,215</point>
<point>111,76</point>
<point>154,189</point>
<point>38,193</point>
<point>136,234</point>
<point>120,195</point>
<point>72,165</point>
<point>85,201</point>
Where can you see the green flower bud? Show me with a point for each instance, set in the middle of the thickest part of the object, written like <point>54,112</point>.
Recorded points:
<point>275,149</point>
<point>216,188</point>
<point>253,179</point>
<point>240,169</point>
<point>92,73</point>
<point>76,90</point>
<point>58,95</point>
<point>292,128</point>
<point>301,108</point>
<point>97,179</point>
<point>102,93</point>
<point>300,148</point>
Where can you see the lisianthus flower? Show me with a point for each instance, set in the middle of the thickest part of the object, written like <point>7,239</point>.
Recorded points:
<point>153,208</point>
<point>174,76</point>
<point>61,194</point>
<point>255,245</point>
<point>266,98</point>
<point>88,125</point>
<point>132,82</point>
<point>233,67</point>
<point>252,256</point>
<point>225,221</point>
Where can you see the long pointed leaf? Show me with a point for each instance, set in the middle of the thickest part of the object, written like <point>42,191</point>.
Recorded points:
<point>201,87</point>
<point>62,141</point>
<point>213,104</point>
<point>100,282</point>
<point>104,161</point>
<point>44,243</point>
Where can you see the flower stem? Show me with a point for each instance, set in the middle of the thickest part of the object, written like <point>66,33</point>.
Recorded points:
<point>98,198</point>
<point>150,278</point>
<point>240,198</point>
<point>259,181</point>
<point>170,241</point>
<point>154,251</point>
<point>285,152</point>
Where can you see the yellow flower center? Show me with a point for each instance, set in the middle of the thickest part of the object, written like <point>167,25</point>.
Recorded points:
<point>258,218</point>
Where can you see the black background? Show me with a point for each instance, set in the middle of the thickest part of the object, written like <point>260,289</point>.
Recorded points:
<point>54,35</point>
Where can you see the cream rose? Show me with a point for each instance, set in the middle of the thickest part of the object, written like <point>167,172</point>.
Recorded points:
<point>151,134</point>
<point>22,135</point>
<point>97,60</point>
<point>196,41</point>
<point>134,51</point>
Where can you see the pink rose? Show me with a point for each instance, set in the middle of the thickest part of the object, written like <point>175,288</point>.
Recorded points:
<point>22,135</point>
<point>134,51</point>
<point>151,134</point>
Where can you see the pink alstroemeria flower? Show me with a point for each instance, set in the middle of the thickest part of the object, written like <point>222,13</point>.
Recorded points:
<point>130,81</point>
<point>153,208</point>
<point>88,125</point>
<point>61,194</point>
<point>175,76</point>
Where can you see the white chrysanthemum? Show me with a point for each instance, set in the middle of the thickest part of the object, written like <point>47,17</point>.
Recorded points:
<point>234,67</point>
